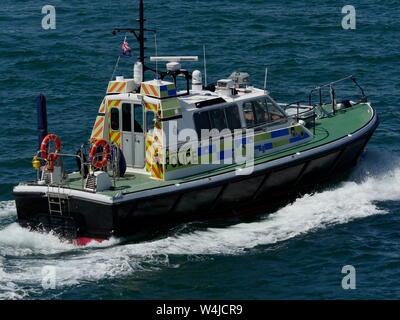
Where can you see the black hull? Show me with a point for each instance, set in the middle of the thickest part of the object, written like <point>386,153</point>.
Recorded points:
<point>241,194</point>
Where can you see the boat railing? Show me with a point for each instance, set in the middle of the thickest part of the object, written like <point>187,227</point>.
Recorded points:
<point>114,157</point>
<point>302,111</point>
<point>43,160</point>
<point>332,93</point>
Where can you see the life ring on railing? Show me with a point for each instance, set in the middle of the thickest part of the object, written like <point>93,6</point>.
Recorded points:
<point>106,153</point>
<point>50,157</point>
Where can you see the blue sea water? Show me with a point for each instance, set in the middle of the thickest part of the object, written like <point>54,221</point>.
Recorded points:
<point>297,252</point>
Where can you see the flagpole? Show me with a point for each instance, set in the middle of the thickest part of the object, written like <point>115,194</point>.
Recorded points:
<point>115,68</point>
<point>119,57</point>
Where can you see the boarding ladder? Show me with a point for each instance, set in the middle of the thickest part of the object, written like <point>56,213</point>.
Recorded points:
<point>58,202</point>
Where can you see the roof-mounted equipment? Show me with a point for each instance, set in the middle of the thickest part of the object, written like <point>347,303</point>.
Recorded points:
<point>241,79</point>
<point>174,68</point>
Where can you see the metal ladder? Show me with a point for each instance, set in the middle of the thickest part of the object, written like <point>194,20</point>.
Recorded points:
<point>58,202</point>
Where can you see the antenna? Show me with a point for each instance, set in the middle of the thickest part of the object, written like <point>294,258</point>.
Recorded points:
<point>174,59</point>
<point>205,66</point>
<point>265,79</point>
<point>141,37</point>
<point>155,44</point>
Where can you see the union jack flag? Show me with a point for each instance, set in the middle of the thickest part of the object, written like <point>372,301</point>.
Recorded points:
<point>126,49</point>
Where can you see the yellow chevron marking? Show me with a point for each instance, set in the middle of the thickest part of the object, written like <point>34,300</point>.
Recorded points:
<point>151,106</point>
<point>114,103</point>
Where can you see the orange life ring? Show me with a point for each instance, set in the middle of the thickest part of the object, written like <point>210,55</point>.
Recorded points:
<point>106,153</point>
<point>52,157</point>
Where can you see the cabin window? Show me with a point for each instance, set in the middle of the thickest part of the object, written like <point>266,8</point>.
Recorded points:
<point>126,117</point>
<point>114,119</point>
<point>218,120</point>
<point>249,114</point>
<point>201,121</point>
<point>261,111</point>
<point>233,117</point>
<point>149,120</point>
<point>276,114</point>
<point>138,118</point>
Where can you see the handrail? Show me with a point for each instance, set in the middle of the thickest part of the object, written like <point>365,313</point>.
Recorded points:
<point>298,113</point>
<point>332,91</point>
<point>66,155</point>
<point>334,82</point>
<point>297,103</point>
<point>80,156</point>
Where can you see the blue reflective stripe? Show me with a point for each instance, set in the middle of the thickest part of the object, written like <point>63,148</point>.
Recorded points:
<point>268,146</point>
<point>201,151</point>
<point>240,142</point>
<point>279,133</point>
<point>264,147</point>
<point>305,136</point>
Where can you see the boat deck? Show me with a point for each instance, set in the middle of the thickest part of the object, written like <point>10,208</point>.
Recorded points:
<point>327,129</point>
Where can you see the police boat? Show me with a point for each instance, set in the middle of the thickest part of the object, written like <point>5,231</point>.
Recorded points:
<point>162,154</point>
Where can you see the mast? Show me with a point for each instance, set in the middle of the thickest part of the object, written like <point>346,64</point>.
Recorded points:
<point>141,36</point>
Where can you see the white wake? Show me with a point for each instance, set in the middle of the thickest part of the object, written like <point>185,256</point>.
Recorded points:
<point>27,252</point>
<point>7,208</point>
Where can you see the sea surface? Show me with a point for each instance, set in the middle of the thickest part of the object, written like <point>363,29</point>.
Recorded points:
<point>298,251</point>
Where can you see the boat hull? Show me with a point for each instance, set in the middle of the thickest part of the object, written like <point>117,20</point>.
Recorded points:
<point>235,194</point>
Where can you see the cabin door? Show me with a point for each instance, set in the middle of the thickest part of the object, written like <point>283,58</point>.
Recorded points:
<point>132,135</point>
<point>138,133</point>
